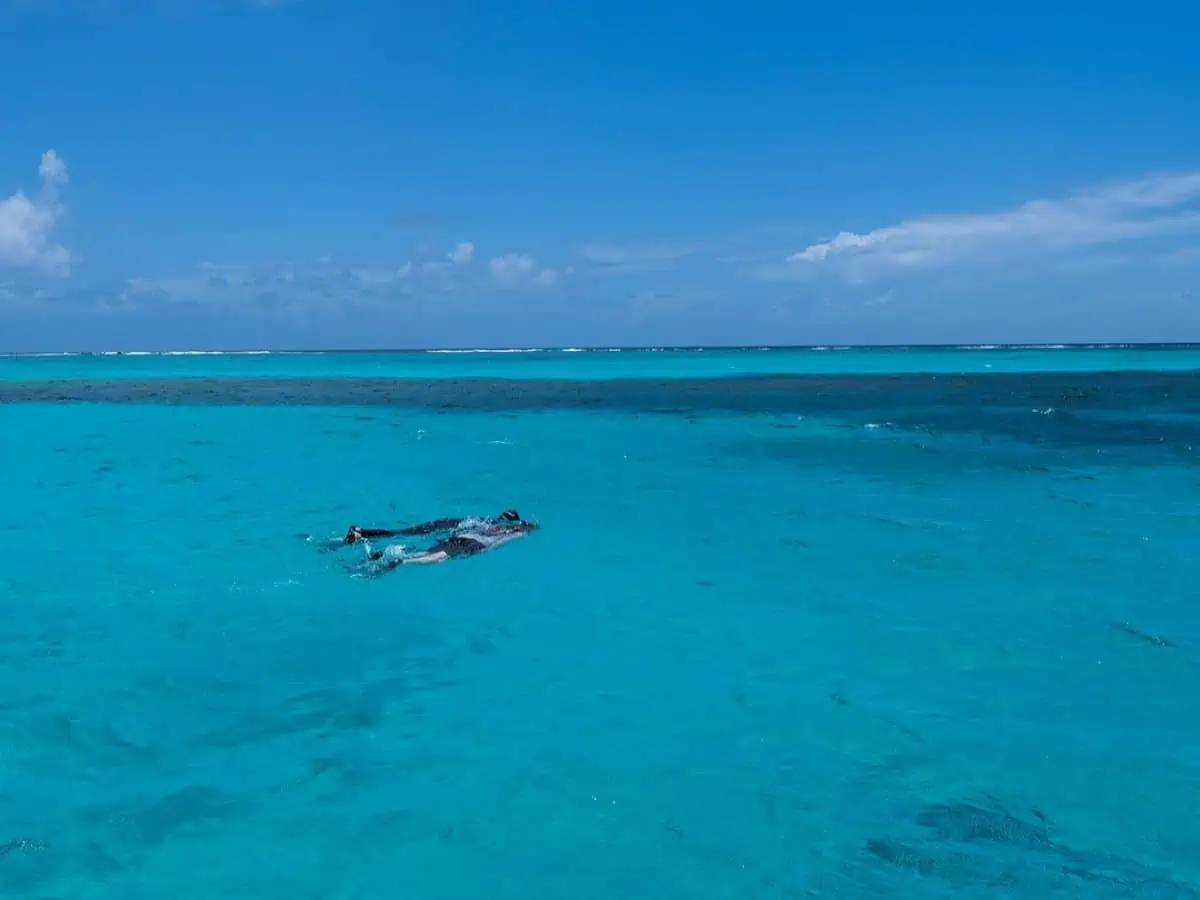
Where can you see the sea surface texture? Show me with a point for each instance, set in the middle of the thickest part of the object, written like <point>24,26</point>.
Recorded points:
<point>837,623</point>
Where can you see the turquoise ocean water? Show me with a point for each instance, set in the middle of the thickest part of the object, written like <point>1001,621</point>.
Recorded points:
<point>814,623</point>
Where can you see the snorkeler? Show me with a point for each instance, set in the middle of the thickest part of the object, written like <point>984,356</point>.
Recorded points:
<point>476,536</point>
<point>468,542</point>
<point>355,534</point>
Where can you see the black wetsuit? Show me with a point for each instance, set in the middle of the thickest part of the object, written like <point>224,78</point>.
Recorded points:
<point>458,545</point>
<point>423,528</point>
<point>455,547</point>
<point>431,527</point>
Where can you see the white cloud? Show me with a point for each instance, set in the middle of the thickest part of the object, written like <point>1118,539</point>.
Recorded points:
<point>326,281</point>
<point>318,281</point>
<point>462,254</point>
<point>1159,205</point>
<point>211,281</point>
<point>27,224</point>
<point>518,270</point>
<point>650,302</point>
<point>615,258</point>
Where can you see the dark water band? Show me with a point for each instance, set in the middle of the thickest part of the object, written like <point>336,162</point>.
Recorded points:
<point>1116,391</point>
<point>1053,409</point>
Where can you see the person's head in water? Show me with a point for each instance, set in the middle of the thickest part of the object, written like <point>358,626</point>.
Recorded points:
<point>354,535</point>
<point>512,519</point>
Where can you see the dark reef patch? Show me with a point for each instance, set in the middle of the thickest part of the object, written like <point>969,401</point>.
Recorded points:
<point>1056,409</point>
<point>982,844</point>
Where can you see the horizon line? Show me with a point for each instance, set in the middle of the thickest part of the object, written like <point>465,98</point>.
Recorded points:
<point>632,348</point>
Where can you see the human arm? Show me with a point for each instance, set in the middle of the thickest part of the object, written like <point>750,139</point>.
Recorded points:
<point>422,558</point>
<point>356,534</point>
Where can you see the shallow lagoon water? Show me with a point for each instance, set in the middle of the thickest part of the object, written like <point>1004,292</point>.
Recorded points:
<point>857,636</point>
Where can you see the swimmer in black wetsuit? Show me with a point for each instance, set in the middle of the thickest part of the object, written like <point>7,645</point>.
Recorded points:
<point>468,543</point>
<point>356,534</point>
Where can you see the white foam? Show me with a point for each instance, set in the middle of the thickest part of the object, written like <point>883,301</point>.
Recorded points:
<point>394,552</point>
<point>512,350</point>
<point>473,523</point>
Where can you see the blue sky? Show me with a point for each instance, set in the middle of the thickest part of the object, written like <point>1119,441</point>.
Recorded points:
<point>305,174</point>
